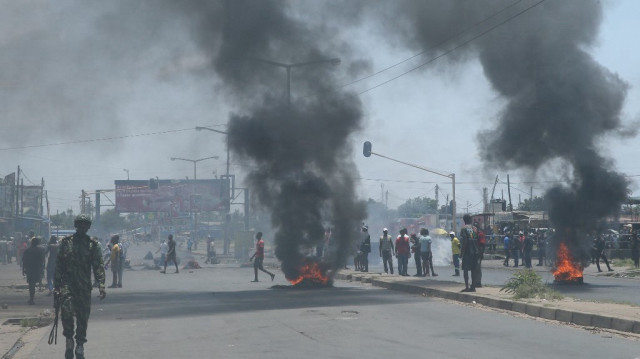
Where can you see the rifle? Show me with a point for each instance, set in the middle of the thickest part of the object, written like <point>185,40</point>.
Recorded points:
<point>53,336</point>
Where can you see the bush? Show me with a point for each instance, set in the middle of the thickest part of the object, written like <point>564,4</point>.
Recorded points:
<point>528,284</point>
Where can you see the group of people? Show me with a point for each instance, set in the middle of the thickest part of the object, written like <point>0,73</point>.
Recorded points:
<point>521,246</point>
<point>402,247</point>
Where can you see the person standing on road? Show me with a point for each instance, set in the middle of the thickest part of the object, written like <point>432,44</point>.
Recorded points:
<point>164,248</point>
<point>52,249</point>
<point>365,248</point>
<point>507,249</point>
<point>600,253</point>
<point>635,250</point>
<point>528,248</point>
<point>455,250</point>
<point>514,244</point>
<point>33,266</point>
<point>114,260</point>
<point>386,250</point>
<point>402,252</point>
<point>541,244</point>
<point>426,253</point>
<point>417,257</point>
<point>470,253</point>
<point>259,258</point>
<point>78,254</point>
<point>171,255</point>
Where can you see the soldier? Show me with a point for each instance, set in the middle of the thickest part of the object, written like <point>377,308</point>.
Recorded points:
<point>33,266</point>
<point>77,255</point>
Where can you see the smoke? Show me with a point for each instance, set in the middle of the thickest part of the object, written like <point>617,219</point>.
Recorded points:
<point>559,100</point>
<point>301,172</point>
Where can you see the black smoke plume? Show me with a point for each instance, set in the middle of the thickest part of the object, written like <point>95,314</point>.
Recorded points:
<point>559,100</point>
<point>299,152</point>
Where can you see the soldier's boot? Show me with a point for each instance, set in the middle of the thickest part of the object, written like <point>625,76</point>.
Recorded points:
<point>79,351</point>
<point>68,353</point>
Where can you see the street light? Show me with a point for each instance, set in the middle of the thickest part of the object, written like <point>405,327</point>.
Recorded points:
<point>367,152</point>
<point>200,128</point>
<point>288,67</point>
<point>193,161</point>
<point>126,170</point>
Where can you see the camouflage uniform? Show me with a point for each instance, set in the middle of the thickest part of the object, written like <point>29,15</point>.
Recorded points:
<point>77,254</point>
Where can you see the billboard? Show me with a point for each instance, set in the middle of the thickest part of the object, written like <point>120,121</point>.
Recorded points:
<point>172,196</point>
<point>7,195</point>
<point>31,200</point>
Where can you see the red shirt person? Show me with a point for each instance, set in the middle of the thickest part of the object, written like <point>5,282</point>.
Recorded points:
<point>403,250</point>
<point>259,258</point>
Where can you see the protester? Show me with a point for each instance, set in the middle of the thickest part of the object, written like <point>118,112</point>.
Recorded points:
<point>507,249</point>
<point>635,250</point>
<point>115,261</point>
<point>52,249</point>
<point>426,253</point>
<point>386,250</point>
<point>365,248</point>
<point>541,243</point>
<point>164,248</point>
<point>78,254</point>
<point>211,250</point>
<point>455,250</point>
<point>402,252</point>
<point>599,245</point>
<point>417,257</point>
<point>33,266</point>
<point>470,253</point>
<point>171,254</point>
<point>482,243</point>
<point>259,258</point>
<point>4,250</point>
<point>528,248</point>
<point>515,250</point>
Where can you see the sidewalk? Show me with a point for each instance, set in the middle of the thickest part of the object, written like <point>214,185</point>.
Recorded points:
<point>612,316</point>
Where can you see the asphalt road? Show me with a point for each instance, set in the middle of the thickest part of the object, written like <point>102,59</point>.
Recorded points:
<point>217,312</point>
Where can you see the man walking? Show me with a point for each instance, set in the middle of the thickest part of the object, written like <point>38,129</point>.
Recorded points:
<point>52,249</point>
<point>171,255</point>
<point>386,250</point>
<point>507,249</point>
<point>455,250</point>
<point>402,252</point>
<point>259,258</point>
<point>600,253</point>
<point>78,254</point>
<point>33,266</point>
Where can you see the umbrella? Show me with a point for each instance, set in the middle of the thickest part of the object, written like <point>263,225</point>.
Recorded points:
<point>440,232</point>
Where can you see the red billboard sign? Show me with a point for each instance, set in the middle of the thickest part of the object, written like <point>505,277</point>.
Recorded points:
<point>172,196</point>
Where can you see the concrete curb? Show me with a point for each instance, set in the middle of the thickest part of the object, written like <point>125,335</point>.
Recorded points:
<point>533,310</point>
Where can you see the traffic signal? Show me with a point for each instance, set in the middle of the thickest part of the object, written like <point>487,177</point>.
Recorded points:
<point>366,149</point>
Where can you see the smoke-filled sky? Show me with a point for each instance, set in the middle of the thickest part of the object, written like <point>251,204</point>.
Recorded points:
<point>74,71</point>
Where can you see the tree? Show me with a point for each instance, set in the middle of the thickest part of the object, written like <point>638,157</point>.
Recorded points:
<point>63,220</point>
<point>417,207</point>
<point>535,204</point>
<point>111,221</point>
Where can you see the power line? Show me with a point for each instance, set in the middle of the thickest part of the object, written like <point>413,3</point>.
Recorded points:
<point>434,47</point>
<point>455,47</point>
<point>97,139</point>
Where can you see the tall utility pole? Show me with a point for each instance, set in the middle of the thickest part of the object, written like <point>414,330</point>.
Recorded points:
<point>509,191</point>
<point>17,186</point>
<point>437,200</point>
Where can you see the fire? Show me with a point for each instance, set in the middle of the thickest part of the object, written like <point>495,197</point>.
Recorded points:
<point>312,271</point>
<point>566,269</point>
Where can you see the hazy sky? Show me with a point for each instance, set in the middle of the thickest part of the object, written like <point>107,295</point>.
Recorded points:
<point>74,71</point>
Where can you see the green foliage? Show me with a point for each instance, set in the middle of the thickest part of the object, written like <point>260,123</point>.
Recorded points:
<point>535,204</point>
<point>111,221</point>
<point>417,207</point>
<point>63,220</point>
<point>528,284</point>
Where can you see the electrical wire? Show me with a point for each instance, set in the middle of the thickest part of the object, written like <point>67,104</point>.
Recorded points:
<point>464,43</point>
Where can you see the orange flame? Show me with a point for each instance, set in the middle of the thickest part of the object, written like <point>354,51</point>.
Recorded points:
<point>566,269</point>
<point>311,271</point>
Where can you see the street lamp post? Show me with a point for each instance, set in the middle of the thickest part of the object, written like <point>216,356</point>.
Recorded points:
<point>126,170</point>
<point>194,163</point>
<point>200,128</point>
<point>368,152</point>
<point>288,67</point>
